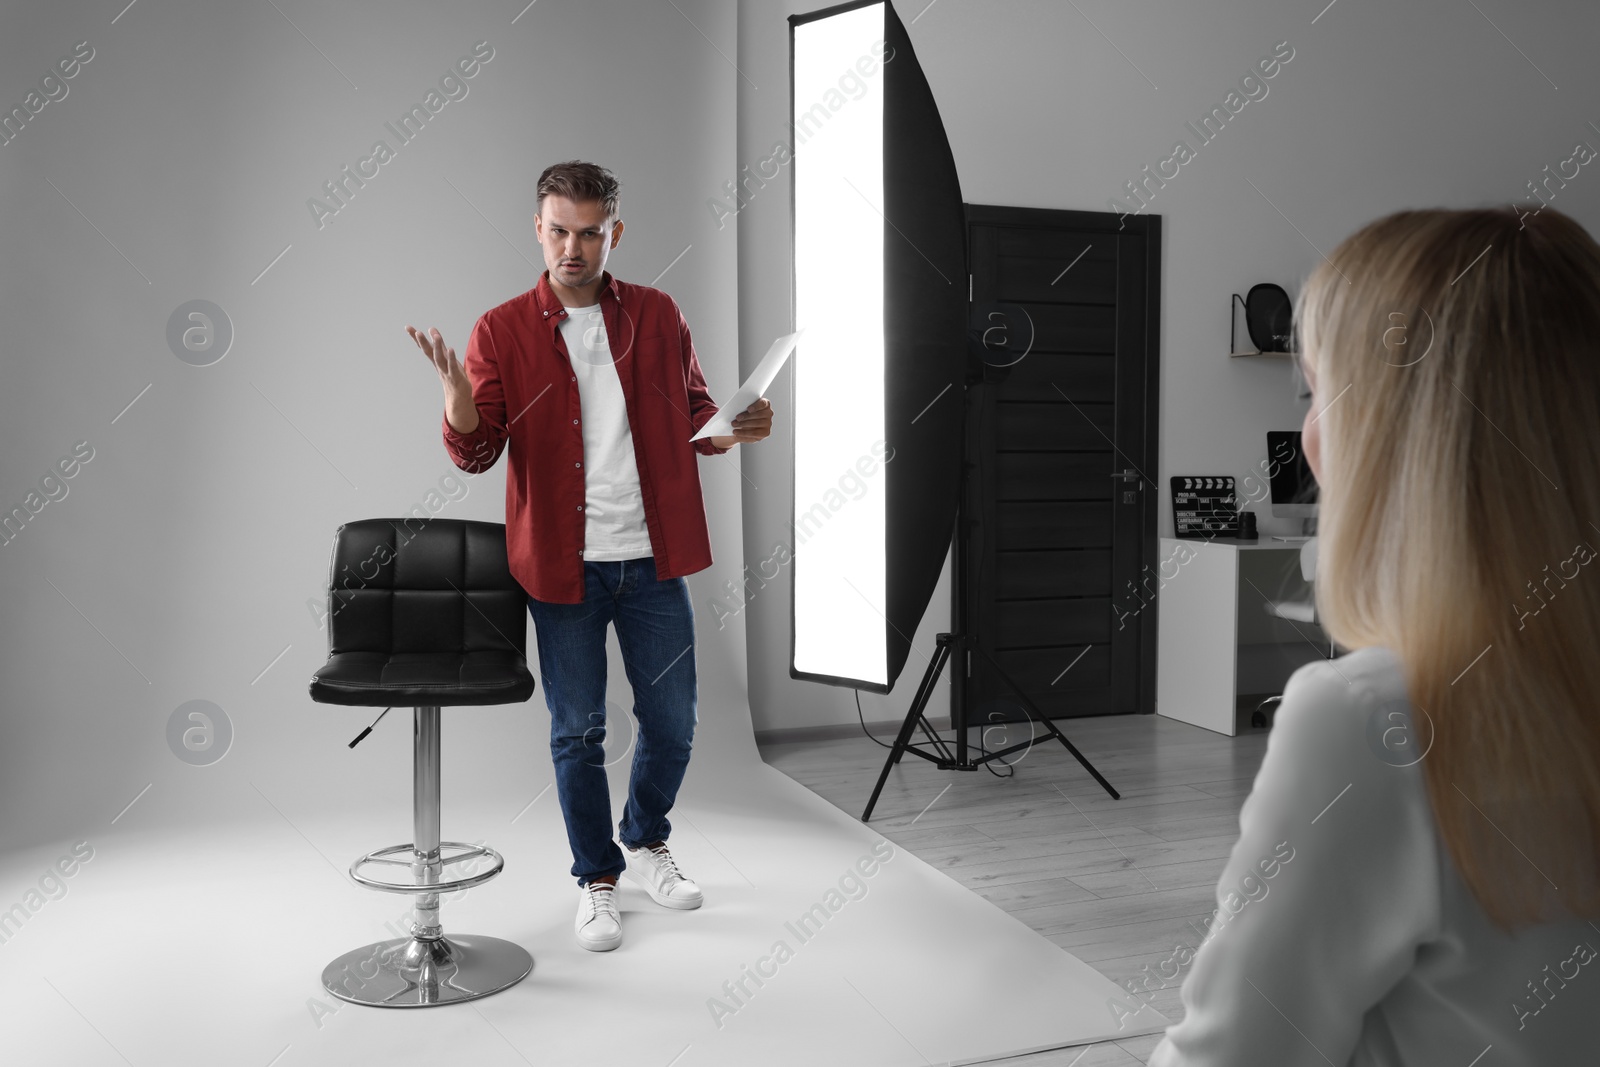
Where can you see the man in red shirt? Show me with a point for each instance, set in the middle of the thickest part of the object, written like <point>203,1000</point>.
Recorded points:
<point>593,387</point>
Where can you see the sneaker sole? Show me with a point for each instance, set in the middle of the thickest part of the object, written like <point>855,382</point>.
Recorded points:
<point>601,946</point>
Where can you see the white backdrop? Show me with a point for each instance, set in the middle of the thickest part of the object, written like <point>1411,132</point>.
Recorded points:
<point>186,558</point>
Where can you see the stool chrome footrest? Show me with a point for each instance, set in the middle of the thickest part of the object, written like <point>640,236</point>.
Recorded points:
<point>418,872</point>
<point>409,972</point>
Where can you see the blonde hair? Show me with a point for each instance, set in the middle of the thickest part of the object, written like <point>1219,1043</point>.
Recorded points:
<point>1457,356</point>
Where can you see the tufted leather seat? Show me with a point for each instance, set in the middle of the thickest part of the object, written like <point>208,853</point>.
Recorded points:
<point>423,614</point>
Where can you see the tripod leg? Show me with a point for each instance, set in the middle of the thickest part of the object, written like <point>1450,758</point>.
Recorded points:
<point>938,742</point>
<point>1048,725</point>
<point>894,757</point>
<point>913,716</point>
<point>1086,764</point>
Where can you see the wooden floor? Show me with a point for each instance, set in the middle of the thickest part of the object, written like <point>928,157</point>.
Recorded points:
<point>1118,883</point>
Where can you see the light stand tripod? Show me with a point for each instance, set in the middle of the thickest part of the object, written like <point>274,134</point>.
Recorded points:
<point>965,643</point>
<point>960,761</point>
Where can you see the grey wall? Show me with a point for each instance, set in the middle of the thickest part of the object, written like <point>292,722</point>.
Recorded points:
<point>1382,107</point>
<point>180,563</point>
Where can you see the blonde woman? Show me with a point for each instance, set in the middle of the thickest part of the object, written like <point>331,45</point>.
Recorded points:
<point>1416,876</point>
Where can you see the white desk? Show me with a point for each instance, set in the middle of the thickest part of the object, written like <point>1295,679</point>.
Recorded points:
<point>1214,639</point>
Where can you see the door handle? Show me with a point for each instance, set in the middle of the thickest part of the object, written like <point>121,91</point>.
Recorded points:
<point>1129,475</point>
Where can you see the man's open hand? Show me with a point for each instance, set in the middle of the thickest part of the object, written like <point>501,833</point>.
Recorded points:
<point>460,411</point>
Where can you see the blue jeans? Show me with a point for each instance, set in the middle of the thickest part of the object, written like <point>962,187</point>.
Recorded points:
<point>655,628</point>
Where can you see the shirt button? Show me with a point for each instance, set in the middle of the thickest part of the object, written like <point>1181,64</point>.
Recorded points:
<point>574,422</point>
<point>574,377</point>
<point>580,507</point>
<point>577,464</point>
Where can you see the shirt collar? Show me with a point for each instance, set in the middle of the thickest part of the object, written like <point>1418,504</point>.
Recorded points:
<point>550,306</point>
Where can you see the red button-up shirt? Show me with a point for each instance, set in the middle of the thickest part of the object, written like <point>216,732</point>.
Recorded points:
<point>526,393</point>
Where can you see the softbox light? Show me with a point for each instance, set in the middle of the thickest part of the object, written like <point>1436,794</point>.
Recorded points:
<point>880,289</point>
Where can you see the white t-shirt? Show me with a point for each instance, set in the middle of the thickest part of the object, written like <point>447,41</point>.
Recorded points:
<point>614,523</point>
<point>1364,948</point>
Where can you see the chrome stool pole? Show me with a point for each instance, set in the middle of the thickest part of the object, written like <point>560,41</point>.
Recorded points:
<point>426,968</point>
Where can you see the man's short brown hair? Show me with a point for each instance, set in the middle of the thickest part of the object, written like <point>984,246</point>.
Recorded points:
<point>579,182</point>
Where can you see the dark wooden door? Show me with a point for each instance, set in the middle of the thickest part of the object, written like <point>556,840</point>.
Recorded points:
<point>1060,501</point>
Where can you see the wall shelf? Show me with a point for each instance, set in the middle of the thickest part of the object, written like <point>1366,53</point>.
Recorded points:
<point>1233,337</point>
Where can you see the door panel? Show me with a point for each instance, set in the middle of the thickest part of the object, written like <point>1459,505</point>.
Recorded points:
<point>1056,537</point>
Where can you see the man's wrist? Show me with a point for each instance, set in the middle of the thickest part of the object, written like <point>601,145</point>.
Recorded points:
<point>461,412</point>
<point>724,442</point>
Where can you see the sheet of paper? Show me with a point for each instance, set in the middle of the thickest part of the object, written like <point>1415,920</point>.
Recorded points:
<point>753,389</point>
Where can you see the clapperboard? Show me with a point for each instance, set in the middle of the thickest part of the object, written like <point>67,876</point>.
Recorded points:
<point>1204,506</point>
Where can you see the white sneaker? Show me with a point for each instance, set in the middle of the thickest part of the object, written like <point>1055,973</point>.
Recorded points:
<point>658,872</point>
<point>598,926</point>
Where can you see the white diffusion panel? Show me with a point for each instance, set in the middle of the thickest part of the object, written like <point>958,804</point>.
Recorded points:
<point>839,547</point>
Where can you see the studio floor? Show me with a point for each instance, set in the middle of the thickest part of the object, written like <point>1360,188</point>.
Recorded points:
<point>999,928</point>
<point>1118,883</point>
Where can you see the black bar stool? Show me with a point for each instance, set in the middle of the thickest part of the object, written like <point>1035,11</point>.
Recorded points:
<point>425,613</point>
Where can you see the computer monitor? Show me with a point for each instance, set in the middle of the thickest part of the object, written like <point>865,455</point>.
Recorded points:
<point>1294,488</point>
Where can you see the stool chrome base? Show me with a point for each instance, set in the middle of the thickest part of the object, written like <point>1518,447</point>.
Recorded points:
<point>407,972</point>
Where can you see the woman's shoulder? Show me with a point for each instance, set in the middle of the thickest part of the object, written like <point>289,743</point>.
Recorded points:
<point>1376,670</point>
<point>1349,722</point>
<point>1365,691</point>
